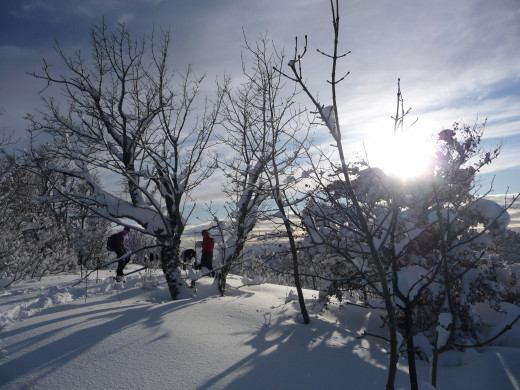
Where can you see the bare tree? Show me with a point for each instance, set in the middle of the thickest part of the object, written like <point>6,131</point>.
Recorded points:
<point>286,132</point>
<point>244,121</point>
<point>126,121</point>
<point>262,125</point>
<point>329,115</point>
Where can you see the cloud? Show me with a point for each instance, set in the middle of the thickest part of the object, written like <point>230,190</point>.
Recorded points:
<point>456,59</point>
<point>506,160</point>
<point>36,5</point>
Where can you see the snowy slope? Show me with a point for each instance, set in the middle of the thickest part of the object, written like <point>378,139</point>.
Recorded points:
<point>51,337</point>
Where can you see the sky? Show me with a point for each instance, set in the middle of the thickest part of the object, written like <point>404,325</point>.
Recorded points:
<point>52,336</point>
<point>457,61</point>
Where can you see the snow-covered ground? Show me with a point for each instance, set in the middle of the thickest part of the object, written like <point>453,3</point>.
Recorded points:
<point>53,336</point>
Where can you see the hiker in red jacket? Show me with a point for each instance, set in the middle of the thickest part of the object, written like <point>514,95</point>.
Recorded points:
<point>207,251</point>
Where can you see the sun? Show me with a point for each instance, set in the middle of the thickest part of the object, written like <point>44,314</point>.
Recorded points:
<point>404,155</point>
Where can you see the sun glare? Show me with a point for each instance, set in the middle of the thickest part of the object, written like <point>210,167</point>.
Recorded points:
<point>403,155</point>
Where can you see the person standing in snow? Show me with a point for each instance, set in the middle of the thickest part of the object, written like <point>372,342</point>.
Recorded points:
<point>208,244</point>
<point>120,250</point>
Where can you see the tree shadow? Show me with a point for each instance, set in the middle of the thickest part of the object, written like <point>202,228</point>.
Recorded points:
<point>286,354</point>
<point>48,339</point>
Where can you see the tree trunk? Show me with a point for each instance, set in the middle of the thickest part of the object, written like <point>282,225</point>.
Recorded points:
<point>296,271</point>
<point>228,261</point>
<point>410,347</point>
<point>170,267</point>
<point>222,276</point>
<point>435,362</point>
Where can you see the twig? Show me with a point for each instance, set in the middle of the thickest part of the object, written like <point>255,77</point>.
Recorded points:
<point>365,334</point>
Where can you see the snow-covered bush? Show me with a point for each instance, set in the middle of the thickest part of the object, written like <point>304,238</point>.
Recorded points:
<point>37,237</point>
<point>435,236</point>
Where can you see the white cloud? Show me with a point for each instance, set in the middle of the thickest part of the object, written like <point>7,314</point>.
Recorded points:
<point>35,6</point>
<point>455,58</point>
<point>506,160</point>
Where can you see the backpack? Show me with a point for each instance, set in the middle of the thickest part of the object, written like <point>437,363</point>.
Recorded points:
<point>111,242</point>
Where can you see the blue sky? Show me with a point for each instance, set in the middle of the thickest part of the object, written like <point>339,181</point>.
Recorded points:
<point>457,60</point>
